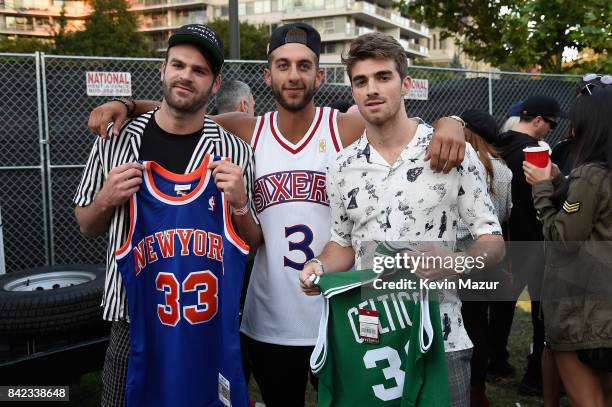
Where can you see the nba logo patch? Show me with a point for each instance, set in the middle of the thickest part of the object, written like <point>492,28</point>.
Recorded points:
<point>211,203</point>
<point>322,146</point>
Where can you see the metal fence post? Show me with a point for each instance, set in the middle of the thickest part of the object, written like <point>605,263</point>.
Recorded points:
<point>490,92</point>
<point>43,120</point>
<point>2,264</point>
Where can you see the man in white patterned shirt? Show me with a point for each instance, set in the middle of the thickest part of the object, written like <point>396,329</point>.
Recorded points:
<point>381,190</point>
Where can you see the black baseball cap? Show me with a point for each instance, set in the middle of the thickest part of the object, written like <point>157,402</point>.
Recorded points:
<point>481,123</point>
<point>205,39</point>
<point>300,33</point>
<point>540,105</point>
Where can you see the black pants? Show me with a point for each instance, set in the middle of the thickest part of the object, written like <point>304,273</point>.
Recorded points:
<point>281,372</point>
<point>527,268</point>
<point>487,325</point>
<point>488,318</point>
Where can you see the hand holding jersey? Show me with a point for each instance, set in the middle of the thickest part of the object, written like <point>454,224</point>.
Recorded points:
<point>311,269</point>
<point>122,182</point>
<point>229,180</point>
<point>378,349</point>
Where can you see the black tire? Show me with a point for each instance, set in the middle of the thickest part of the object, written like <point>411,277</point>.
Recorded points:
<point>73,304</point>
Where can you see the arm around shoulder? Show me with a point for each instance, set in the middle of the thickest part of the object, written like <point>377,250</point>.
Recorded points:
<point>240,124</point>
<point>351,126</point>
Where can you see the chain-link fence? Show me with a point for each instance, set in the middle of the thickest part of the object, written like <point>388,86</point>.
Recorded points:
<point>45,141</point>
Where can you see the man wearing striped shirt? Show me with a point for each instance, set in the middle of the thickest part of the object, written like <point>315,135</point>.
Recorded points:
<point>172,135</point>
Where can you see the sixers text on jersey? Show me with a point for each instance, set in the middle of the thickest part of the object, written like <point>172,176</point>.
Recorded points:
<point>290,186</point>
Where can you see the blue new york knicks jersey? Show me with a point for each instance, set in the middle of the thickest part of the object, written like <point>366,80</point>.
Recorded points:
<point>182,267</point>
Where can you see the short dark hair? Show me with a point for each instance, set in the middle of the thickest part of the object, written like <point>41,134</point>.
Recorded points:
<point>376,45</point>
<point>526,118</point>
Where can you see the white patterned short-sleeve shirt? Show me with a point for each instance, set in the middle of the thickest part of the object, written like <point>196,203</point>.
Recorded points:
<point>372,201</point>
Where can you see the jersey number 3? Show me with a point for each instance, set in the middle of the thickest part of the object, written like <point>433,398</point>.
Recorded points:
<point>203,282</point>
<point>301,246</point>
<point>393,371</point>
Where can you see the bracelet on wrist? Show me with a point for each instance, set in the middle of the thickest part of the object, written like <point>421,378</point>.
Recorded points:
<point>318,262</point>
<point>459,119</point>
<point>242,211</point>
<point>129,104</point>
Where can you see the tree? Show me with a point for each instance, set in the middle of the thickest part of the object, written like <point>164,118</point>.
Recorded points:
<point>519,34</point>
<point>109,31</point>
<point>253,39</point>
<point>24,45</point>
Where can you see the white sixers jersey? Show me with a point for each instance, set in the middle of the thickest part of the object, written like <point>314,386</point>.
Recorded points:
<point>291,202</point>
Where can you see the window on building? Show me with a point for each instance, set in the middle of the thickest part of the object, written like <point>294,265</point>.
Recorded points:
<point>262,6</point>
<point>434,41</point>
<point>41,22</point>
<point>328,48</point>
<point>223,11</point>
<point>18,23</point>
<point>329,26</point>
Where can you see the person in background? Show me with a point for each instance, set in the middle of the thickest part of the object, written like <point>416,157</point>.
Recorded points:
<point>577,280</point>
<point>235,96</point>
<point>589,84</point>
<point>513,117</point>
<point>479,315</point>
<point>538,117</point>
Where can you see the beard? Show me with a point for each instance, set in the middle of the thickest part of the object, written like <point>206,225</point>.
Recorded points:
<point>186,105</point>
<point>293,105</point>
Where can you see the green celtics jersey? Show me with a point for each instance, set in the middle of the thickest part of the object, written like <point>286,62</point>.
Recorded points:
<point>403,365</point>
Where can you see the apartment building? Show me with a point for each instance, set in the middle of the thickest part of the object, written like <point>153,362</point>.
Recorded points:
<point>38,18</point>
<point>447,53</point>
<point>338,21</point>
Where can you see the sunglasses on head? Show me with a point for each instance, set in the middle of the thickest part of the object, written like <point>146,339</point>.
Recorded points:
<point>589,88</point>
<point>551,122</point>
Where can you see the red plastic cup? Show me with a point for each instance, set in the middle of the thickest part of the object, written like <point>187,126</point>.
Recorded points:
<point>537,156</point>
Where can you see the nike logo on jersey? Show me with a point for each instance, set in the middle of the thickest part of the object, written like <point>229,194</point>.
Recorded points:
<point>179,242</point>
<point>290,186</point>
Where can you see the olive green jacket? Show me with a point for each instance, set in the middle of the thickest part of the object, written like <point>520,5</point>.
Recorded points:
<point>577,285</point>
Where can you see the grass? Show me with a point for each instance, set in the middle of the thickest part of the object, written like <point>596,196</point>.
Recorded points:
<point>501,394</point>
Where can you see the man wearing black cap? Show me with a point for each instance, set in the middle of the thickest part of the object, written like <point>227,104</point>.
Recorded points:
<point>539,115</point>
<point>177,136</point>
<point>292,147</point>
